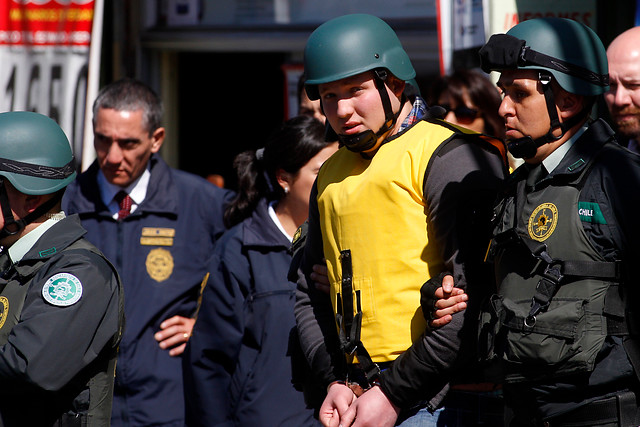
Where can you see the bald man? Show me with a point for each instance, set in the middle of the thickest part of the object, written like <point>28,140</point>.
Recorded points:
<point>623,97</point>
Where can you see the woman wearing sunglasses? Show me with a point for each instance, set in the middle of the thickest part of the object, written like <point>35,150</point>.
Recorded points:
<point>471,101</point>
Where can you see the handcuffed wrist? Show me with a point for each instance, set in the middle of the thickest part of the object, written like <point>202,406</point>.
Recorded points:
<point>336,382</point>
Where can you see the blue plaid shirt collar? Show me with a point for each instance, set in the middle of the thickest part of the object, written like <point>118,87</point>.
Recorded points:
<point>418,111</point>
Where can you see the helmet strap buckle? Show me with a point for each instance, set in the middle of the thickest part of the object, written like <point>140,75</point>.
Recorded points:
<point>381,74</point>
<point>544,78</point>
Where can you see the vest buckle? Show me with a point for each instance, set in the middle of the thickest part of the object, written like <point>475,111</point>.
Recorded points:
<point>545,290</point>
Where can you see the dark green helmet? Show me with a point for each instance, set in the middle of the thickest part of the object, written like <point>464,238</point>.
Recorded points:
<point>570,51</point>
<point>35,155</point>
<point>558,49</point>
<point>350,45</point>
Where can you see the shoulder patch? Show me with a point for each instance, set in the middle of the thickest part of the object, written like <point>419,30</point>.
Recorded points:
<point>62,290</point>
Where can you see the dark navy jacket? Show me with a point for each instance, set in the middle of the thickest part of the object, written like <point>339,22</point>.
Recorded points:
<point>160,251</point>
<point>237,366</point>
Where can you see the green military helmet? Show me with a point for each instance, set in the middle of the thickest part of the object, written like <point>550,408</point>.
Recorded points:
<point>569,50</point>
<point>569,41</point>
<point>35,155</point>
<point>559,49</point>
<point>350,45</point>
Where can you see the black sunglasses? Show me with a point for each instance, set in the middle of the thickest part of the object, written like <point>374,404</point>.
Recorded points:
<point>463,113</point>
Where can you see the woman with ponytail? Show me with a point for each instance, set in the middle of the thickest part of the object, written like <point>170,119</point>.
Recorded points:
<point>237,365</point>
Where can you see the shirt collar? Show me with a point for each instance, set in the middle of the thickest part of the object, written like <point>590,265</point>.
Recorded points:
<point>137,190</point>
<point>418,111</point>
<point>19,249</point>
<point>634,146</point>
<point>276,221</point>
<point>554,159</point>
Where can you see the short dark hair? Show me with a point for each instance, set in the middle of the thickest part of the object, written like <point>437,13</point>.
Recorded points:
<point>131,95</point>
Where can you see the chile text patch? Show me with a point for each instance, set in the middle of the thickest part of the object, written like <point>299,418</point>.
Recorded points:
<point>62,289</point>
<point>590,212</point>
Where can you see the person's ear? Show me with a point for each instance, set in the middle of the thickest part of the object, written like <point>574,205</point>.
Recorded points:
<point>396,85</point>
<point>31,202</point>
<point>285,180</point>
<point>569,104</point>
<point>157,138</point>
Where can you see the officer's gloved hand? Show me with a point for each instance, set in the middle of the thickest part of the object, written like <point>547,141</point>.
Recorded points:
<point>440,299</point>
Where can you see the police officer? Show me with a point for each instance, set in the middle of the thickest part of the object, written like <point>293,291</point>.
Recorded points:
<point>388,211</point>
<point>60,299</point>
<point>159,241</point>
<point>561,324</point>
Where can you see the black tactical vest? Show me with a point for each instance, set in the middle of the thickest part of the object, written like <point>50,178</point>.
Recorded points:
<point>548,317</point>
<point>99,389</point>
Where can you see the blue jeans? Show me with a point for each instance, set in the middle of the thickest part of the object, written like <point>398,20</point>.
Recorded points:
<point>419,418</point>
<point>461,409</point>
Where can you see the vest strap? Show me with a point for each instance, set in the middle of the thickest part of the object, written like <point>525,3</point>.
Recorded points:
<point>557,271</point>
<point>611,270</point>
<point>545,290</point>
<point>597,270</point>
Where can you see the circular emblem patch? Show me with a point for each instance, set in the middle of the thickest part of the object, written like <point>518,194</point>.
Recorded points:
<point>543,221</point>
<point>159,264</point>
<point>4,310</point>
<point>62,289</point>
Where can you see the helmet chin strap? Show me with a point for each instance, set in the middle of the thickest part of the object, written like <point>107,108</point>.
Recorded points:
<point>14,226</point>
<point>365,141</point>
<point>527,147</point>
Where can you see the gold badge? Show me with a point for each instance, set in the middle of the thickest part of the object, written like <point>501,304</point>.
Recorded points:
<point>543,221</point>
<point>159,264</point>
<point>4,310</point>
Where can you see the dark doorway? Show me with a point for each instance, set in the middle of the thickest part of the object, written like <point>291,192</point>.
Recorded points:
<point>229,103</point>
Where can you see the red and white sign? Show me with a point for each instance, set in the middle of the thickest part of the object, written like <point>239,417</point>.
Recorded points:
<point>44,52</point>
<point>507,13</point>
<point>46,22</point>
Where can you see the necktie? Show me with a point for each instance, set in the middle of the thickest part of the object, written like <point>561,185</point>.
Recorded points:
<point>535,175</point>
<point>124,202</point>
